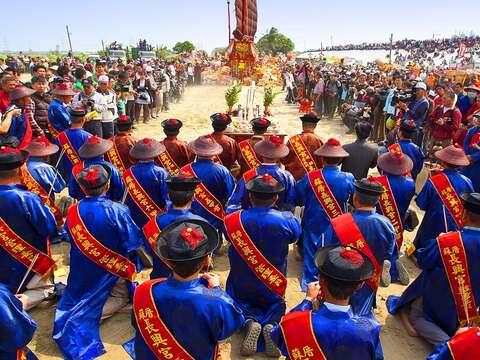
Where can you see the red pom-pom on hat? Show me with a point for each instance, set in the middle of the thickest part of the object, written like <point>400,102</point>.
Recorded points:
<point>269,179</point>
<point>352,256</point>
<point>263,121</point>
<point>172,122</point>
<point>92,175</point>
<point>94,140</point>
<point>42,140</point>
<point>192,237</point>
<point>8,150</point>
<point>333,142</point>
<point>148,141</point>
<point>277,140</point>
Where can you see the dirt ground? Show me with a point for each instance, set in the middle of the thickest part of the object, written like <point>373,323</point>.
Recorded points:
<point>194,111</point>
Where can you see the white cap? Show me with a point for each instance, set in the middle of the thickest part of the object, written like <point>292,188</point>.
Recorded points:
<point>148,69</point>
<point>421,85</point>
<point>103,79</point>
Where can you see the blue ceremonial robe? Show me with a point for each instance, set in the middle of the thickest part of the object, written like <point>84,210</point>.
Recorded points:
<point>315,221</point>
<point>18,127</point>
<point>16,326</point>
<point>472,171</point>
<point>286,199</point>
<point>433,222</point>
<point>341,335</point>
<point>440,352</point>
<point>271,231</point>
<point>58,115</point>
<point>196,316</point>
<point>415,153</point>
<point>45,175</point>
<point>77,318</point>
<point>77,137</point>
<point>26,214</point>
<point>379,233</point>
<point>432,284</point>
<point>152,179</point>
<point>218,180</point>
<point>117,187</point>
<point>160,270</point>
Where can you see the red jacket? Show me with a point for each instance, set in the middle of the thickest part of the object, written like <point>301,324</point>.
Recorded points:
<point>448,129</point>
<point>4,101</point>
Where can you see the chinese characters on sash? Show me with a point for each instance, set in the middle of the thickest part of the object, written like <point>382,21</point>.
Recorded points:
<point>99,254</point>
<point>152,231</point>
<point>168,163</point>
<point>389,208</point>
<point>68,149</point>
<point>302,153</point>
<point>204,197</point>
<point>114,157</point>
<point>139,196</point>
<point>268,274</point>
<point>22,251</point>
<point>154,332</point>
<point>324,195</point>
<point>248,154</point>
<point>449,197</point>
<point>455,263</point>
<point>350,235</point>
<point>299,337</point>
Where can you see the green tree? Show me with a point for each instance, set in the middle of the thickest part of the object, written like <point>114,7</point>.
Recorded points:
<point>220,50</point>
<point>275,42</point>
<point>163,52</point>
<point>185,46</point>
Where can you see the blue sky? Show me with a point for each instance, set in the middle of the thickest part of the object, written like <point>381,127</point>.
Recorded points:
<point>40,25</point>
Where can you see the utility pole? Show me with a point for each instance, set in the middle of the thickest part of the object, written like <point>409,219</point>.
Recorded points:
<point>229,25</point>
<point>69,40</point>
<point>103,46</point>
<point>391,46</point>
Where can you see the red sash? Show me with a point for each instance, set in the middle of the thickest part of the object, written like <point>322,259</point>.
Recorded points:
<point>22,251</point>
<point>395,148</point>
<point>389,208</point>
<point>95,251</point>
<point>449,197</point>
<point>324,195</point>
<point>68,149</point>
<point>205,197</point>
<point>151,230</point>
<point>52,130</point>
<point>350,235</point>
<point>299,337</point>
<point>216,159</point>
<point>303,154</point>
<point>455,264</point>
<point>33,186</point>
<point>114,157</point>
<point>465,345</point>
<point>249,175</point>
<point>75,171</point>
<point>475,139</point>
<point>268,274</point>
<point>140,196</point>
<point>21,354</point>
<point>167,162</point>
<point>154,332</point>
<point>248,154</point>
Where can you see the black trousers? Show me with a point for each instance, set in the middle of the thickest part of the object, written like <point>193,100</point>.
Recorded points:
<point>107,129</point>
<point>94,127</point>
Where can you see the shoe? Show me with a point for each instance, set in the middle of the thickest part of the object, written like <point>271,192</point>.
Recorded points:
<point>249,345</point>
<point>270,347</point>
<point>403,275</point>
<point>386,279</point>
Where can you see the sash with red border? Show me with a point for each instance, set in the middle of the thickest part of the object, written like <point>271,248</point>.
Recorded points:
<point>21,354</point>
<point>52,130</point>
<point>168,163</point>
<point>155,333</point>
<point>22,251</point>
<point>389,208</point>
<point>268,274</point>
<point>114,157</point>
<point>475,139</point>
<point>139,196</point>
<point>68,149</point>
<point>248,154</point>
<point>455,264</point>
<point>395,148</point>
<point>350,235</point>
<point>216,159</point>
<point>449,197</point>
<point>303,154</point>
<point>151,230</point>
<point>299,337</point>
<point>75,171</point>
<point>33,186</point>
<point>95,251</point>
<point>465,345</point>
<point>249,175</point>
<point>204,197</point>
<point>324,195</point>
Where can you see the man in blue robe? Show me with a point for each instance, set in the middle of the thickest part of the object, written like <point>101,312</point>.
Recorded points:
<point>271,150</point>
<point>463,346</point>
<point>394,166</point>
<point>271,231</point>
<point>92,153</point>
<point>58,114</point>
<point>427,307</point>
<point>215,177</point>
<point>85,299</point>
<point>16,327</point>
<point>471,146</point>
<point>378,233</point>
<point>315,220</point>
<point>335,329</point>
<point>27,216</point>
<point>150,177</point>
<point>180,194</point>
<point>193,308</point>
<point>437,218</point>
<point>406,132</point>
<point>21,125</point>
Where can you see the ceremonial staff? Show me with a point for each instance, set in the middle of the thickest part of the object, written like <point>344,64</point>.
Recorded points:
<point>56,172</point>
<point>28,272</point>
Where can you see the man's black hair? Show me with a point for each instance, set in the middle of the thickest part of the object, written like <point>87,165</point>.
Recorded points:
<point>363,130</point>
<point>367,200</point>
<point>63,70</point>
<point>340,290</point>
<point>180,198</point>
<point>79,72</point>
<point>171,132</point>
<point>37,79</point>
<point>186,268</point>
<point>218,127</point>
<point>38,66</point>
<point>332,160</point>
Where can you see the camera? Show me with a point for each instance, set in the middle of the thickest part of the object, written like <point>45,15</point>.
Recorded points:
<point>402,96</point>
<point>143,96</point>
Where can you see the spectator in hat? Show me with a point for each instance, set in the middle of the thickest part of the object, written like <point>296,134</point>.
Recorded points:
<point>229,145</point>
<point>362,155</point>
<point>111,113</point>
<point>8,84</point>
<point>417,110</point>
<point>20,127</point>
<point>58,115</point>
<point>406,132</point>
<point>177,149</point>
<point>94,103</point>
<point>294,163</point>
<point>41,100</point>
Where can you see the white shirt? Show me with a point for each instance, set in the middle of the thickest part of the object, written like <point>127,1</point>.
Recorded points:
<point>100,104</point>
<point>336,308</point>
